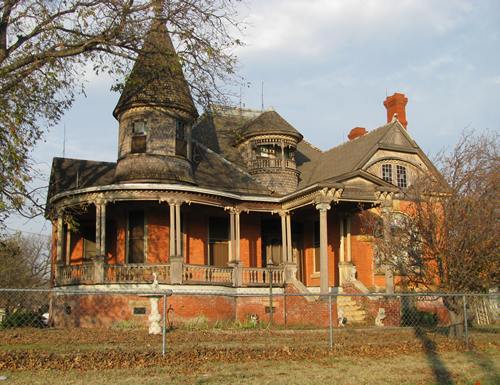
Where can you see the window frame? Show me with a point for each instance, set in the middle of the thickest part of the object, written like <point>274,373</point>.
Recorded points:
<point>401,176</point>
<point>387,168</point>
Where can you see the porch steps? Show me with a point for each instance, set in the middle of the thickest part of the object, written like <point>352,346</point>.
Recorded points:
<point>351,311</point>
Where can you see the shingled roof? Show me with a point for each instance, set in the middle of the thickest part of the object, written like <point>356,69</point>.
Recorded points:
<point>343,158</point>
<point>156,78</point>
<point>269,122</point>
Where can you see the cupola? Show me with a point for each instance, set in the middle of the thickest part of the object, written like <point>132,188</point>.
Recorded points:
<point>268,144</point>
<point>155,114</point>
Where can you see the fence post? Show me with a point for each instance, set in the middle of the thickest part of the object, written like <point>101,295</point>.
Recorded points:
<point>164,336</point>
<point>330,323</point>
<point>466,328</point>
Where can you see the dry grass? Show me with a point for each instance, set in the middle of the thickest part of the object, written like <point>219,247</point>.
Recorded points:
<point>375,356</point>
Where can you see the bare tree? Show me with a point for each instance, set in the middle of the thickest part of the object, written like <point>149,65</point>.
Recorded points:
<point>448,240</point>
<point>24,261</point>
<point>46,46</point>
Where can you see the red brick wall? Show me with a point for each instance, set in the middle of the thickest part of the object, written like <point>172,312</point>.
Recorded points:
<point>157,219</point>
<point>106,310</point>
<point>250,240</point>
<point>196,238</point>
<point>362,253</point>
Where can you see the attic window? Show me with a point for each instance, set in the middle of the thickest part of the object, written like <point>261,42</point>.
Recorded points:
<point>139,127</point>
<point>401,176</point>
<point>387,172</point>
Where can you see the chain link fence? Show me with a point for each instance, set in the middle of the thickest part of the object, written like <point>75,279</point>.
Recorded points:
<point>328,320</point>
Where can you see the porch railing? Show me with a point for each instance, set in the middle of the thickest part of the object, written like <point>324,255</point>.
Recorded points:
<point>207,275</point>
<point>96,273</point>
<point>137,273</point>
<point>261,276</point>
<point>75,274</point>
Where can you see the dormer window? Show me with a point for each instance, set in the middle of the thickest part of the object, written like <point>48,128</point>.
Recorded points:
<point>401,176</point>
<point>139,127</point>
<point>387,172</point>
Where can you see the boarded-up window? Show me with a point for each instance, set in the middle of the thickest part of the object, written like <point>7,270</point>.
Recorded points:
<point>136,237</point>
<point>316,247</point>
<point>138,144</point>
<point>218,236</point>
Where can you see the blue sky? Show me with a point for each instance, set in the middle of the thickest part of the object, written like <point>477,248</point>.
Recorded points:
<point>327,66</point>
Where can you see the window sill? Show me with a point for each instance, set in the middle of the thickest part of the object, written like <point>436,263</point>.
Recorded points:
<point>315,275</point>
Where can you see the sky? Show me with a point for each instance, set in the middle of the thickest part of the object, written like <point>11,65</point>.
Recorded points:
<point>327,66</point>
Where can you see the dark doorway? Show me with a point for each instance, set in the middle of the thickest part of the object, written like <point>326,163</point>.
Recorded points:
<point>271,241</point>
<point>136,237</point>
<point>218,238</point>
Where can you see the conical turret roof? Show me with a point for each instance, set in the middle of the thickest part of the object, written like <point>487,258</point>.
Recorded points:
<point>156,78</point>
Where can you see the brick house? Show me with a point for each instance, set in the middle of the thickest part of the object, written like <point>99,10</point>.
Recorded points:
<point>231,200</point>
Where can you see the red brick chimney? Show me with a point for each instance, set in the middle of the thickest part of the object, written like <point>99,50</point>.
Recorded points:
<point>396,104</point>
<point>356,132</point>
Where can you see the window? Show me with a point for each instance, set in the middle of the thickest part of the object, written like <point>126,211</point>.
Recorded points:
<point>138,144</point>
<point>139,127</point>
<point>387,172</point>
<point>180,138</point>
<point>401,176</point>
<point>268,151</point>
<point>136,237</point>
<point>218,236</point>
<point>316,244</point>
<point>290,153</point>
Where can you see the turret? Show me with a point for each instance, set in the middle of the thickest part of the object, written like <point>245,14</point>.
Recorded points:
<point>155,114</point>
<point>268,144</point>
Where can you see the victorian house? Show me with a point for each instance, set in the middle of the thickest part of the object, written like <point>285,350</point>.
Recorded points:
<point>233,199</point>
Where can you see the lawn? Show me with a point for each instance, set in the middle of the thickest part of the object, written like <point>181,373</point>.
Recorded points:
<point>214,356</point>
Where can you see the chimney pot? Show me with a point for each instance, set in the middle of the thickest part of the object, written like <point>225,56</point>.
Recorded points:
<point>396,107</point>
<point>356,132</point>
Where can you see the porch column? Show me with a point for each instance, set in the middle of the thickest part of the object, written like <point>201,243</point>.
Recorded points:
<point>178,250</point>
<point>348,238</point>
<point>103,228</point>
<point>323,245</point>
<point>232,232</point>
<point>342,246</point>
<point>97,228</point>
<point>237,236</point>
<point>60,238</point>
<point>171,241</point>
<point>174,259</point>
<point>289,238</point>
<point>284,243</point>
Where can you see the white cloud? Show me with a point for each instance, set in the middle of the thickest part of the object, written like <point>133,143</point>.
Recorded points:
<point>307,27</point>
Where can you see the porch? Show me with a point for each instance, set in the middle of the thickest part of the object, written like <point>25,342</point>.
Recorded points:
<point>131,242</point>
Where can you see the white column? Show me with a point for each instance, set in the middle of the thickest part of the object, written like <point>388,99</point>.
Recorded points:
<point>342,243</point>
<point>237,236</point>
<point>60,237</point>
<point>348,239</point>
<point>323,245</point>
<point>178,250</point>
<point>103,228</point>
<point>171,241</point>
<point>289,237</point>
<point>232,232</point>
<point>97,228</point>
<point>283,216</point>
